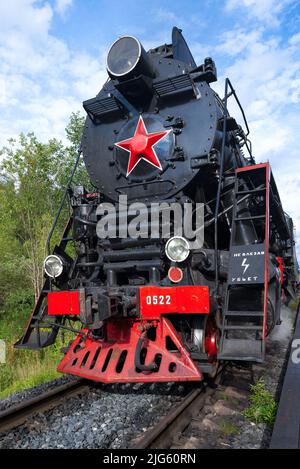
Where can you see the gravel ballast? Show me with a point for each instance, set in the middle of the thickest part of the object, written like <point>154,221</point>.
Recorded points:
<point>22,396</point>
<point>106,417</point>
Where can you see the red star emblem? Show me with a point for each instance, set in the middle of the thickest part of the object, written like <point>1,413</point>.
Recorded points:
<point>140,146</point>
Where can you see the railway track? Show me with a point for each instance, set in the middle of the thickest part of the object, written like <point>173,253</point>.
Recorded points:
<point>186,426</point>
<point>161,436</point>
<point>18,414</point>
<point>208,415</point>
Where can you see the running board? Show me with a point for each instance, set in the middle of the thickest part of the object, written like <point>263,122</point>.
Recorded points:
<point>242,350</point>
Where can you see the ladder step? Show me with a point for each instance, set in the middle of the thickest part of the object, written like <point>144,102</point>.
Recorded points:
<point>242,328</point>
<point>256,217</point>
<point>245,313</point>
<point>242,349</point>
<point>251,191</point>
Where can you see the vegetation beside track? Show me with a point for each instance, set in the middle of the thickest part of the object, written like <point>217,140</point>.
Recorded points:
<point>33,176</point>
<point>262,407</point>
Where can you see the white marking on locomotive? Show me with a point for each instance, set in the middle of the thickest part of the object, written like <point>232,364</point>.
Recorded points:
<point>158,299</point>
<point>254,253</point>
<point>244,279</point>
<point>245,265</point>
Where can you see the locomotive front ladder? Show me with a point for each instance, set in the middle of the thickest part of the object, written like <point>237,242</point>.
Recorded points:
<point>36,336</point>
<point>244,319</point>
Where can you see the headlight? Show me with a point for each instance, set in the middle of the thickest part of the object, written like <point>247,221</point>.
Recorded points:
<point>177,249</point>
<point>53,266</point>
<point>123,56</point>
<point>127,59</point>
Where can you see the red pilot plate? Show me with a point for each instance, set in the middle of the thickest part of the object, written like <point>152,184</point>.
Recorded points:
<point>63,303</point>
<point>155,301</point>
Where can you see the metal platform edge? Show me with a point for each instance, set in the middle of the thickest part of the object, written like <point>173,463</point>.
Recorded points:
<point>286,431</point>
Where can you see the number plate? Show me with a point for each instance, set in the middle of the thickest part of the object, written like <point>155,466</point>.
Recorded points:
<point>155,301</point>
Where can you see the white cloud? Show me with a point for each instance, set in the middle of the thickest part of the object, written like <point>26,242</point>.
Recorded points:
<point>23,16</point>
<point>162,15</point>
<point>41,79</point>
<point>265,71</point>
<point>62,5</point>
<point>295,39</point>
<point>236,41</point>
<point>267,11</point>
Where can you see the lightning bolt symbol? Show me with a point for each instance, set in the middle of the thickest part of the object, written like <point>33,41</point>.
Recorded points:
<point>245,265</point>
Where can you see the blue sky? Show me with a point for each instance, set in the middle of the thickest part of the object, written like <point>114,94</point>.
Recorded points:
<point>52,56</point>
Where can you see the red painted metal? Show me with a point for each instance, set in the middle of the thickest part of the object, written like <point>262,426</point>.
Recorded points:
<point>63,303</point>
<point>112,359</point>
<point>141,146</point>
<point>267,234</point>
<point>252,167</point>
<point>211,341</point>
<point>155,301</point>
<point>92,195</point>
<point>175,274</point>
<point>280,262</point>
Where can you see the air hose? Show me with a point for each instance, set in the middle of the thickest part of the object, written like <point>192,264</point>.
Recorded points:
<point>137,357</point>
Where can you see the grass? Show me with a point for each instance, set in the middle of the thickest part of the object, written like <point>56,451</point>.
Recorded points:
<point>263,406</point>
<point>27,368</point>
<point>228,428</point>
<point>231,400</point>
<point>294,304</point>
<point>24,368</point>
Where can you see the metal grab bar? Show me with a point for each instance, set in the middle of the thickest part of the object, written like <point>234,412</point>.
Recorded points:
<point>217,208</point>
<point>225,99</point>
<point>63,201</point>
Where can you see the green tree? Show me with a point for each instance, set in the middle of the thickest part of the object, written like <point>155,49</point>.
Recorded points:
<point>30,171</point>
<point>33,177</point>
<point>74,131</point>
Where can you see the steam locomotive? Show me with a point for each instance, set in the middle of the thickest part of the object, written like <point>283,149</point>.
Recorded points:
<point>152,307</point>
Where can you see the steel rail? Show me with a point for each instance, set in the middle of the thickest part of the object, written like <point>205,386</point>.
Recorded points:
<point>161,435</point>
<point>18,414</point>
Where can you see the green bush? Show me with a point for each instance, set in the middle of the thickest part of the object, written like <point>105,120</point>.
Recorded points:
<point>23,368</point>
<point>263,406</point>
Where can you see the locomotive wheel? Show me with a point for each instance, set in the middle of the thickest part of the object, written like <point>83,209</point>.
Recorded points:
<point>206,337</point>
<point>212,340</point>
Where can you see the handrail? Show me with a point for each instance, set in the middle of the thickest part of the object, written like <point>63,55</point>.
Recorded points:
<point>220,187</point>
<point>63,201</point>
<point>249,148</point>
<point>233,93</point>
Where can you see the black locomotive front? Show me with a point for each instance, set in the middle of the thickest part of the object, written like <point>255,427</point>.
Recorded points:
<point>158,305</point>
